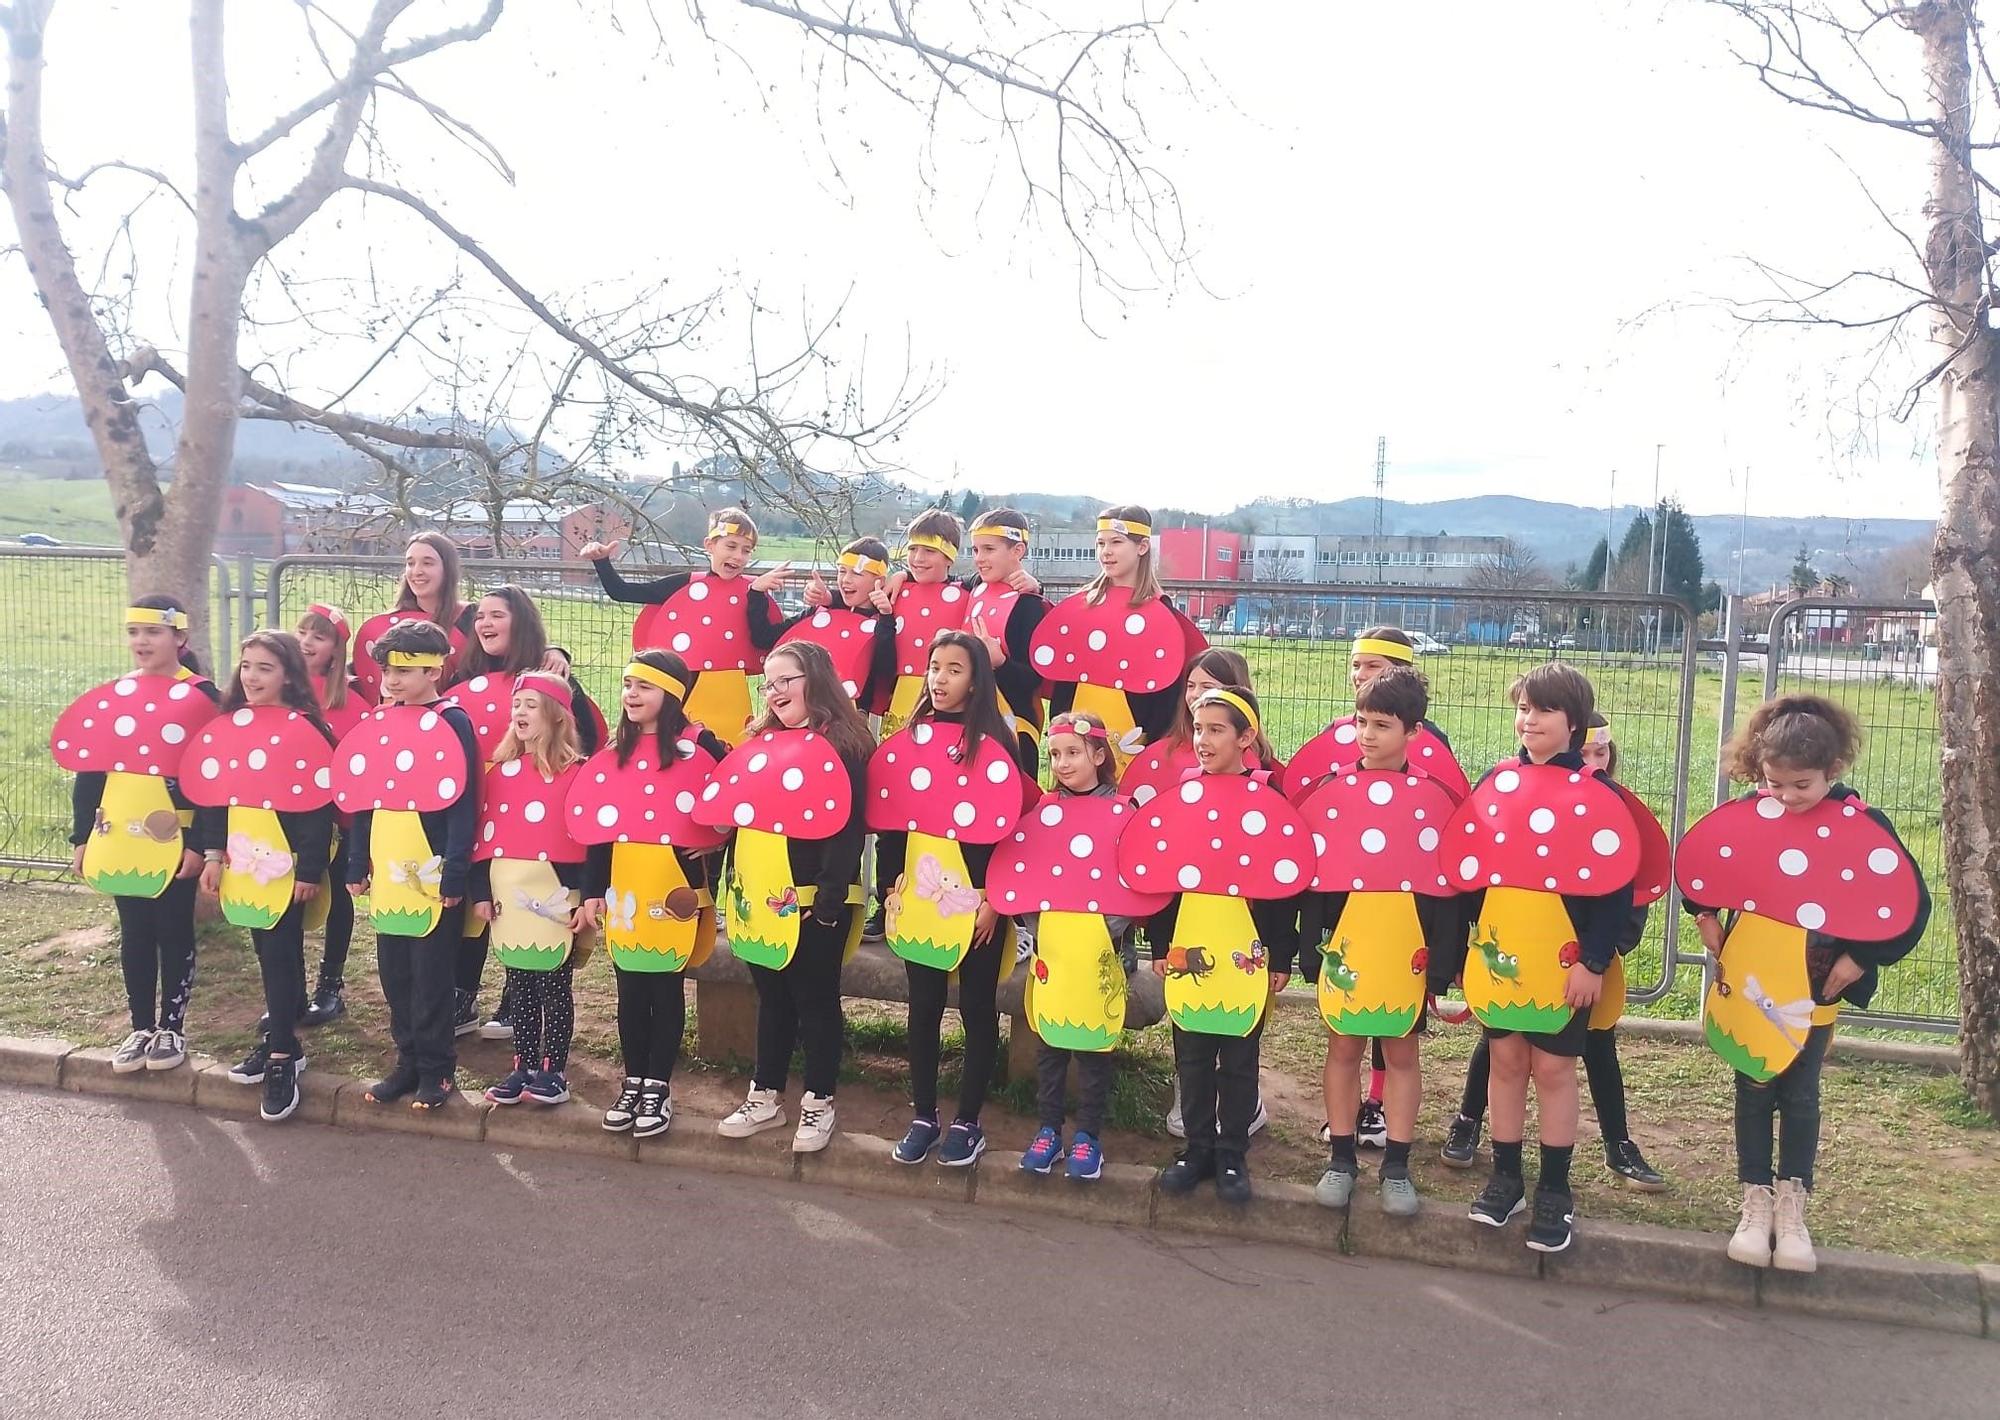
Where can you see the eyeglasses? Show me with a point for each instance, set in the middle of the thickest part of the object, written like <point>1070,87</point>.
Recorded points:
<point>777,684</point>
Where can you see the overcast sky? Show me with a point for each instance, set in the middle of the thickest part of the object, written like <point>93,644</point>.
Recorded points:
<point>1498,235</point>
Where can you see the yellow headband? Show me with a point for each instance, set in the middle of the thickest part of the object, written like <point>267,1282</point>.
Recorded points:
<point>654,676</point>
<point>1597,735</point>
<point>932,541</point>
<point>153,616</point>
<point>1387,650</point>
<point>415,660</point>
<point>855,562</point>
<point>716,530</point>
<point>1125,526</point>
<point>1230,697</point>
<point>1001,530</point>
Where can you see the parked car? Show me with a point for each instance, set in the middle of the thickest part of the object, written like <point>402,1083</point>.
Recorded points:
<point>35,539</point>
<point>1295,629</point>
<point>1204,624</point>
<point>1517,637</point>
<point>1428,645</point>
<point>1566,642</point>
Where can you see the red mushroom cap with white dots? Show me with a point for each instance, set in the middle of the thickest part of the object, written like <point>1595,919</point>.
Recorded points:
<point>1227,834</point>
<point>1063,857</point>
<point>917,785</point>
<point>367,673</point>
<point>643,802</point>
<point>137,724</point>
<point>521,814</point>
<point>400,757</point>
<point>922,610</point>
<point>1163,764</point>
<point>488,701</point>
<point>1542,828</point>
<point>706,623</point>
<point>1656,855</point>
<point>1136,649</point>
<point>1375,830</point>
<point>259,757</point>
<point>788,782</point>
<point>847,637</point>
<point>1337,747</point>
<point>1833,868</point>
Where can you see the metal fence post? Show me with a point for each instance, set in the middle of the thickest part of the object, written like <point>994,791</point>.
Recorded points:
<point>246,592</point>
<point>1725,728</point>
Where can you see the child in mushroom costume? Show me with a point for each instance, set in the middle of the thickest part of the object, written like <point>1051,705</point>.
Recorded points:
<point>124,741</point>
<point>717,621</point>
<point>845,623</point>
<point>941,792</point>
<point>262,772</point>
<point>639,796</point>
<point>324,638</point>
<point>1117,647</point>
<point>1551,851</point>
<point>922,602</point>
<point>428,593</point>
<point>1059,872</point>
<point>407,774</point>
<point>791,794</point>
<point>1820,895</point>
<point>1167,760</point>
<point>1236,856</point>
<point>539,887</point>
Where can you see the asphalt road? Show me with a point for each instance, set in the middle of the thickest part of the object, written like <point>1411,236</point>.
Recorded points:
<point>155,1262</point>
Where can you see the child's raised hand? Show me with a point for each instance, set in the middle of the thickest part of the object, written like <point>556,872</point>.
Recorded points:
<point>884,599</point>
<point>776,577</point>
<point>1582,987</point>
<point>817,593</point>
<point>1023,581</point>
<point>598,551</point>
<point>556,663</point>
<point>996,652</point>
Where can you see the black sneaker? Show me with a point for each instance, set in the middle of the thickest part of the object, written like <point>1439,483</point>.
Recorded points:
<point>281,1089</point>
<point>250,1069</point>
<point>1553,1225</point>
<point>465,1012</point>
<point>1187,1172</point>
<point>619,1117</point>
<point>326,1007</point>
<point>432,1094</point>
<point>1500,1200</point>
<point>1630,1165</point>
<point>397,1083</point>
<point>1371,1126</point>
<point>1232,1178</point>
<point>1461,1142</point>
<point>874,929</point>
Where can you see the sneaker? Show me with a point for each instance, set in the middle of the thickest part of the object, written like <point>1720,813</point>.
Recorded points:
<point>499,1026</point>
<point>1335,1188</point>
<point>873,929</point>
<point>510,1090</point>
<point>1086,1157</point>
<point>434,1094</point>
<point>918,1141</point>
<point>465,1013</point>
<point>1400,1198</point>
<point>1553,1224</point>
<point>548,1087</point>
<point>759,1111</point>
<point>281,1089</point>
<point>1794,1249</point>
<point>250,1069</point>
<point>1260,1118</point>
<point>131,1052</point>
<point>1042,1154</point>
<point>1176,1126</point>
<point>1371,1126</point>
<point>1461,1142</point>
<point>655,1114</point>
<point>400,1081</point>
<point>963,1143</point>
<point>168,1049</point>
<point>326,1007</point>
<point>1629,1164</point>
<point>1187,1172</point>
<point>1750,1244</point>
<point>1232,1178</point>
<point>815,1129</point>
<point>1500,1200</point>
<point>1024,945</point>
<point>618,1118</point>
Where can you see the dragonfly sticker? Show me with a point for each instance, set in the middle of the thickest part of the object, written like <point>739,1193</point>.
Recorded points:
<point>1785,1019</point>
<point>424,877</point>
<point>260,861</point>
<point>553,908</point>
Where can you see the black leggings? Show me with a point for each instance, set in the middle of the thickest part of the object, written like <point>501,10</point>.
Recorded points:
<point>652,1017</point>
<point>281,960</point>
<point>1793,1097</point>
<point>544,1015</point>
<point>472,961</point>
<point>1600,1068</point>
<point>800,1006</point>
<point>156,948</point>
<point>339,918</point>
<point>978,981</point>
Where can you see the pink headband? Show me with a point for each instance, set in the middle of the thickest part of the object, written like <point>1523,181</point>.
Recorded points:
<point>1080,729</point>
<point>543,683</point>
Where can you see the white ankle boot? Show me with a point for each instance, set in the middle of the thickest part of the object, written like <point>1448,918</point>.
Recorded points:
<point>1751,1243</point>
<point>1794,1252</point>
<point>815,1129</point>
<point>760,1110</point>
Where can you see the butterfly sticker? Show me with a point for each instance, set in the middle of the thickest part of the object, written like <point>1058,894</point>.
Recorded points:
<point>424,878</point>
<point>258,860</point>
<point>621,913</point>
<point>786,904</point>
<point>555,907</point>
<point>935,885</point>
<point>1786,1018</point>
<point>1248,962</point>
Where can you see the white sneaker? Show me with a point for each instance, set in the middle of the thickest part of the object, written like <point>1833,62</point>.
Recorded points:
<point>815,1129</point>
<point>168,1049</point>
<point>1794,1252</point>
<point>759,1111</point>
<point>1751,1242</point>
<point>1176,1126</point>
<point>131,1052</point>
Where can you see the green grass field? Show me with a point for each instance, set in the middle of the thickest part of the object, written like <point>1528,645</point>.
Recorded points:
<point>75,511</point>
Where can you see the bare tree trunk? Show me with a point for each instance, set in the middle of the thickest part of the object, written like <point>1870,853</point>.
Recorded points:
<point>1967,575</point>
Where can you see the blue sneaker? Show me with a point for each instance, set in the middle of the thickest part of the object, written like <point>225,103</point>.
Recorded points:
<point>510,1090</point>
<point>1086,1158</point>
<point>923,1134</point>
<point>963,1144</point>
<point>1042,1154</point>
<point>548,1087</point>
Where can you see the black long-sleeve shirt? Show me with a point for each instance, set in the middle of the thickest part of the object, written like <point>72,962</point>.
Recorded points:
<point>88,791</point>
<point>449,831</point>
<point>765,622</point>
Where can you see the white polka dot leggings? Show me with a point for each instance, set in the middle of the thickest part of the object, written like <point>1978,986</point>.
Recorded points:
<point>544,1015</point>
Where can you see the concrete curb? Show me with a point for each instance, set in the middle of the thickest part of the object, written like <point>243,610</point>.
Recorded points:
<point>1861,1286</point>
